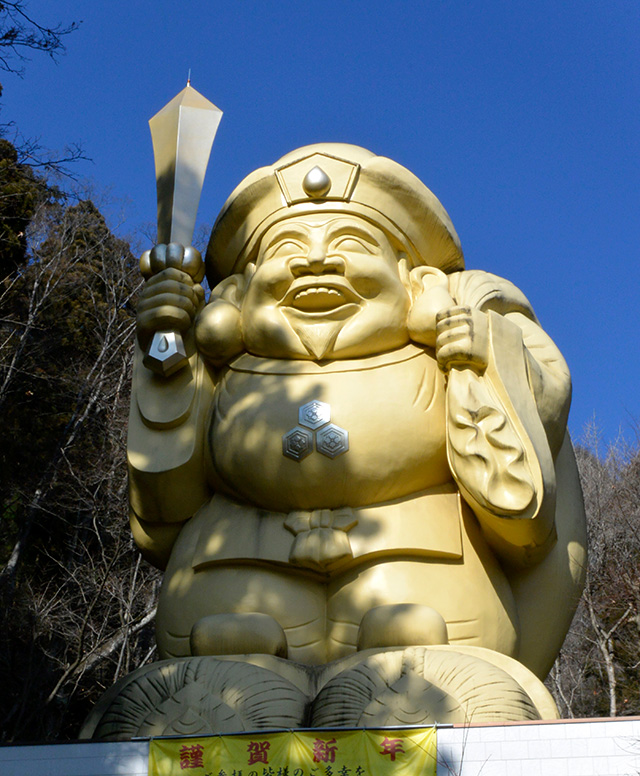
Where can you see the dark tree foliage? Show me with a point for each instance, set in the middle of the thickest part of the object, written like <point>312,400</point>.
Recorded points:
<point>21,191</point>
<point>76,604</point>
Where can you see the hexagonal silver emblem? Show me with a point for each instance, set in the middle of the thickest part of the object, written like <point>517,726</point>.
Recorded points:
<point>166,353</point>
<point>297,443</point>
<point>332,441</point>
<point>314,414</point>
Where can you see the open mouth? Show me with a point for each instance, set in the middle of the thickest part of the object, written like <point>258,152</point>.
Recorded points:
<point>318,296</point>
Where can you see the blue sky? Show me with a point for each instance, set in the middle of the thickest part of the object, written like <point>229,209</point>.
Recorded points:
<point>522,117</point>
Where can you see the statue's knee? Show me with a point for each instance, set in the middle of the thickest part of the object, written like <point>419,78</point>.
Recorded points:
<point>238,634</point>
<point>402,625</point>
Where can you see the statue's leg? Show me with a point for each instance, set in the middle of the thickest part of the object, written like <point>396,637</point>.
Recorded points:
<point>406,602</point>
<point>402,625</point>
<point>233,609</point>
<point>471,595</point>
<point>238,633</point>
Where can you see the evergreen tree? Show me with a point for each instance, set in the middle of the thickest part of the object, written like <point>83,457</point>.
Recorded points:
<point>76,604</point>
<point>21,190</point>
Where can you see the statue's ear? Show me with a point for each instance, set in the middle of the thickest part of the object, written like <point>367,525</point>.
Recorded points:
<point>233,288</point>
<point>219,325</point>
<point>430,295</point>
<point>423,279</point>
<point>403,271</point>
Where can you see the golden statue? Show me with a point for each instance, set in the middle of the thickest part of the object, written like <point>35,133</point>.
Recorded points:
<point>366,450</point>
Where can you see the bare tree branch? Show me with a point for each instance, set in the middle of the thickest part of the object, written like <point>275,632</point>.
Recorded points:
<point>19,32</point>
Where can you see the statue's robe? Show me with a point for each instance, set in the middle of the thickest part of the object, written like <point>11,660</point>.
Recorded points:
<point>457,475</point>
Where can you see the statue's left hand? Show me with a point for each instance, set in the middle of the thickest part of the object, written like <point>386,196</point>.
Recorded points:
<point>462,338</point>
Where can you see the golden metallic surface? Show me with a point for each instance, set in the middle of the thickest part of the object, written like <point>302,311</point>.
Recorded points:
<point>200,696</point>
<point>373,187</point>
<point>182,133</point>
<point>368,445</point>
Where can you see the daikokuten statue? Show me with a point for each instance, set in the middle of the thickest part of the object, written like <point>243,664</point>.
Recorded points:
<point>367,449</point>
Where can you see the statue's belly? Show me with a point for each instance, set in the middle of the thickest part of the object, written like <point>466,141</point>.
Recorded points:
<point>393,415</point>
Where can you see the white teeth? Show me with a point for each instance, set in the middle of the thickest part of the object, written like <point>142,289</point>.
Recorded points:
<point>317,290</point>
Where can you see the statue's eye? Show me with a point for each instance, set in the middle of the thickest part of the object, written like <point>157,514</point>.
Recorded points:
<point>285,248</point>
<point>352,245</point>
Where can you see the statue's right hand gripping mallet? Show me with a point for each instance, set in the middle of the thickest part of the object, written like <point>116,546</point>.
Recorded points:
<point>182,134</point>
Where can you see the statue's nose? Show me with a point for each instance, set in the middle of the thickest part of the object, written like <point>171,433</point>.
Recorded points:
<point>317,262</point>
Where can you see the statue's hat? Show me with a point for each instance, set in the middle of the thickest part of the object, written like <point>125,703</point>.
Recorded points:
<point>333,177</point>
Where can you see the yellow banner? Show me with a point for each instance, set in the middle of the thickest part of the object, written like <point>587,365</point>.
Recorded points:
<point>299,753</point>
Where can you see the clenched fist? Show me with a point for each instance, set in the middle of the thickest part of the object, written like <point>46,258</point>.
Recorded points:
<point>172,294</point>
<point>462,338</point>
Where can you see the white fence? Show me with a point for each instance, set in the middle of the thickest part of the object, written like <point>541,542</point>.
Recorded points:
<point>608,747</point>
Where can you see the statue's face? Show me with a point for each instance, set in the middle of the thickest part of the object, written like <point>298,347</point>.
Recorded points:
<point>325,286</point>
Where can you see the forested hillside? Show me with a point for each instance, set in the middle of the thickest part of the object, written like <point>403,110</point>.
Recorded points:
<point>76,602</point>
<point>597,673</point>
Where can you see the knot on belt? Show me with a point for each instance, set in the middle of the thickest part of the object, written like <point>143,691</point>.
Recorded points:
<point>320,537</point>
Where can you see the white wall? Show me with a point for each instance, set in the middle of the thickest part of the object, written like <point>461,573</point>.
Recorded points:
<point>563,748</point>
<point>83,759</point>
<point>577,748</point>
